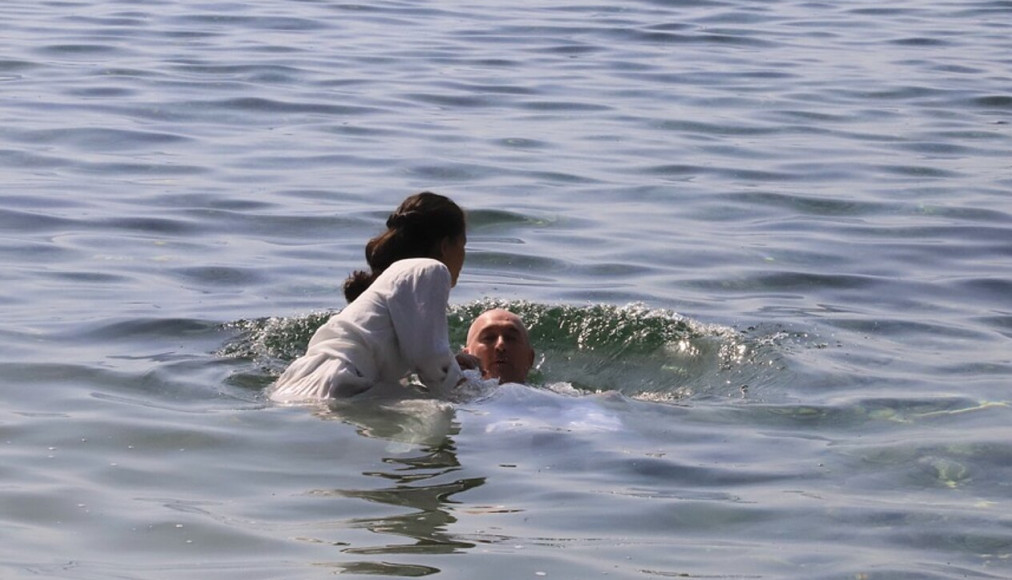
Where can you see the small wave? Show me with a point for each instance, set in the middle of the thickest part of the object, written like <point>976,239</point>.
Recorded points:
<point>650,354</point>
<point>273,342</point>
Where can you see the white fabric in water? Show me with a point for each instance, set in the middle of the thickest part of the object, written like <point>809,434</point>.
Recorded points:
<point>520,408</point>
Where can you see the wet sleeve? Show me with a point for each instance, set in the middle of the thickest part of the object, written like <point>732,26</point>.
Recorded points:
<point>418,311</point>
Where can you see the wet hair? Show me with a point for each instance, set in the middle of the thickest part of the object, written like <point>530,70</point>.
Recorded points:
<point>414,230</point>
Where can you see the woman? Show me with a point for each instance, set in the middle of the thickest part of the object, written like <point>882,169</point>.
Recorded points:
<point>395,322</point>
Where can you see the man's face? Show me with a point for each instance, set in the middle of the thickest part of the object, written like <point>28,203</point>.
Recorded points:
<point>500,342</point>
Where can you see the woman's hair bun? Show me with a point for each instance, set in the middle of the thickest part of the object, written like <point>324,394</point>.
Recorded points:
<point>402,219</point>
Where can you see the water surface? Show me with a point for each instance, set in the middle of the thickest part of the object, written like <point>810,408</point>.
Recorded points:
<point>764,250</point>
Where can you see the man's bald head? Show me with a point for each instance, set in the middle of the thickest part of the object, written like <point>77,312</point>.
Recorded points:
<point>500,341</point>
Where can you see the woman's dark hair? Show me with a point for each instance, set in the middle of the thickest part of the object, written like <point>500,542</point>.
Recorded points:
<point>415,230</point>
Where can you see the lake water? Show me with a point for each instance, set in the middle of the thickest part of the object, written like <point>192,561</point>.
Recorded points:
<point>765,249</point>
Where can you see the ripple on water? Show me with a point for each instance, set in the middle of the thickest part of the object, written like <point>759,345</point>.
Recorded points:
<point>34,221</point>
<point>77,49</point>
<point>89,139</point>
<point>224,22</point>
<point>219,276</point>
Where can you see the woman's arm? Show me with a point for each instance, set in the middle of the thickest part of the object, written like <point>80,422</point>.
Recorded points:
<point>418,312</point>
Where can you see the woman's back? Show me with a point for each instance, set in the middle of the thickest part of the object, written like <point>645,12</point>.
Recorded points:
<point>398,325</point>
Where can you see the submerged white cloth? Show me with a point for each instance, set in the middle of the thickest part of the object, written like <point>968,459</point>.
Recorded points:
<point>396,327</point>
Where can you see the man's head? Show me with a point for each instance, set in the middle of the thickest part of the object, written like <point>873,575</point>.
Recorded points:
<point>499,339</point>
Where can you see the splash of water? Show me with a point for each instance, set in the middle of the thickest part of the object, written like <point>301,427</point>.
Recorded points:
<point>650,354</point>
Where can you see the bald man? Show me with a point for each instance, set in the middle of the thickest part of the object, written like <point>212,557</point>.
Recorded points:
<point>499,340</point>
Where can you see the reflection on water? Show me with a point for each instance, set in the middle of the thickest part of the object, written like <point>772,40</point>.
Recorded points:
<point>426,525</point>
<point>419,479</point>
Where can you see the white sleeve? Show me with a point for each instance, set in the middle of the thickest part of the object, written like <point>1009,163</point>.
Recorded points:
<point>418,312</point>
